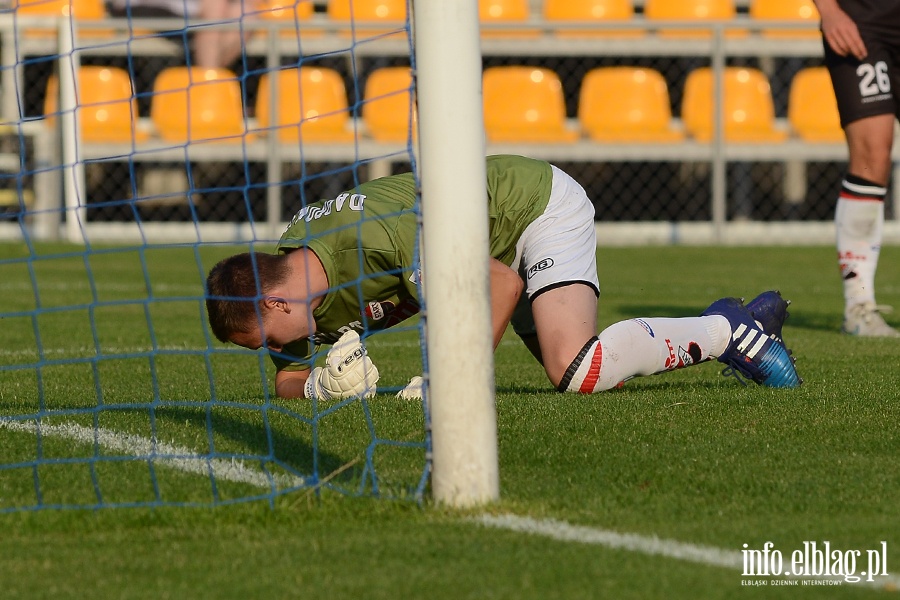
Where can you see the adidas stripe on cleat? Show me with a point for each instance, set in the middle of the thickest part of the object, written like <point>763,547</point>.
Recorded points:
<point>754,353</point>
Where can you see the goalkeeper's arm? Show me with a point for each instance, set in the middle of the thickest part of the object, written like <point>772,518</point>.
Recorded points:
<point>506,288</point>
<point>290,384</point>
<point>348,373</point>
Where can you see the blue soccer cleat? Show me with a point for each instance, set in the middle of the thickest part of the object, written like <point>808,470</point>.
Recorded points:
<point>755,353</point>
<point>769,309</point>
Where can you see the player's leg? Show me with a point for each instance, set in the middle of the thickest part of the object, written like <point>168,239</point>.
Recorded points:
<point>557,260</point>
<point>746,338</point>
<point>869,142</point>
<point>523,324</point>
<point>867,107</point>
<point>859,222</point>
<point>559,267</point>
<point>214,48</point>
<point>565,320</point>
<point>623,350</point>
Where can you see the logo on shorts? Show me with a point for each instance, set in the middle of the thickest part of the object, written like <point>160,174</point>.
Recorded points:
<point>541,265</point>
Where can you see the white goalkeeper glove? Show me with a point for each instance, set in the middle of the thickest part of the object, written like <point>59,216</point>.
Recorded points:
<point>413,389</point>
<point>348,372</point>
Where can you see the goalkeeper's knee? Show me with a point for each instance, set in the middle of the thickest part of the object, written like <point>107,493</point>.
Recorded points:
<point>585,374</point>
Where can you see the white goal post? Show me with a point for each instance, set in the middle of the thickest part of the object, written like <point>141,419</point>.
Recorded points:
<point>456,252</point>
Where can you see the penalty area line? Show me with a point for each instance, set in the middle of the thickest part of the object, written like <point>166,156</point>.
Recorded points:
<point>159,453</point>
<point>649,545</point>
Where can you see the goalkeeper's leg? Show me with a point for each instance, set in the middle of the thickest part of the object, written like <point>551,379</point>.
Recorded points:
<point>578,360</point>
<point>558,265</point>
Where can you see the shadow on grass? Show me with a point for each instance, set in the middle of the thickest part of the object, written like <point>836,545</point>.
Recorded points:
<point>254,439</point>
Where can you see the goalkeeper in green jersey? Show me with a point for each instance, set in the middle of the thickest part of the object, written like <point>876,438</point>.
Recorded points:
<point>348,265</point>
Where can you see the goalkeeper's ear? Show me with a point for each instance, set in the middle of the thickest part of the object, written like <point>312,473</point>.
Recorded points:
<point>276,303</point>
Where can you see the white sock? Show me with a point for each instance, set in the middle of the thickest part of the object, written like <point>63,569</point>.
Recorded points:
<point>859,222</point>
<point>644,347</point>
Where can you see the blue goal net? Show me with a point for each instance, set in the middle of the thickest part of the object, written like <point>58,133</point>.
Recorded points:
<point>138,148</point>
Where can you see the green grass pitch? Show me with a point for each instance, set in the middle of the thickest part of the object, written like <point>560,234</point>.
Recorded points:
<point>689,457</point>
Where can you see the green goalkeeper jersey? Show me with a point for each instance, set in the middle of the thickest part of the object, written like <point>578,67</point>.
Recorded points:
<point>367,242</point>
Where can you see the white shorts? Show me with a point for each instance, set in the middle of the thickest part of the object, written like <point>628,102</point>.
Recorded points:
<point>559,248</point>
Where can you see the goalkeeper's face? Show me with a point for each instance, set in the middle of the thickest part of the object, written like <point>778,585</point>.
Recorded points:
<point>282,323</point>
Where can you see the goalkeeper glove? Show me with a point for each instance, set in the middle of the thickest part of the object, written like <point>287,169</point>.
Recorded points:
<point>413,389</point>
<point>348,372</point>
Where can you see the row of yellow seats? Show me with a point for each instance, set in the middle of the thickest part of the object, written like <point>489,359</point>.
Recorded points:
<point>632,104</point>
<point>588,12</point>
<point>521,104</point>
<point>623,11</point>
<point>297,10</point>
<point>677,10</point>
<point>191,104</point>
<point>493,11</point>
<point>287,10</point>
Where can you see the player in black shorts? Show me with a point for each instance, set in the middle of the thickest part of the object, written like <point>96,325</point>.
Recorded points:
<point>862,52</point>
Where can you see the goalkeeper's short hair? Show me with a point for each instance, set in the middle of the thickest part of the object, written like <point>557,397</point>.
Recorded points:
<point>236,287</point>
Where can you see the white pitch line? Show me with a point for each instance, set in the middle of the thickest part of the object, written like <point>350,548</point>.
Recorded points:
<point>566,532</point>
<point>185,460</point>
<point>175,457</point>
<point>652,545</point>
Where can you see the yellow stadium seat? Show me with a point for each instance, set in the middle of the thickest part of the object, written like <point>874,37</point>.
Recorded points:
<point>388,111</point>
<point>503,12</point>
<point>524,104</point>
<point>626,104</point>
<point>368,17</point>
<point>311,105</point>
<point>748,111</point>
<point>107,110</point>
<point>812,107</point>
<point>81,10</point>
<point>193,104</point>
<point>590,12</point>
<point>699,11</point>
<point>288,11</point>
<point>786,10</point>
